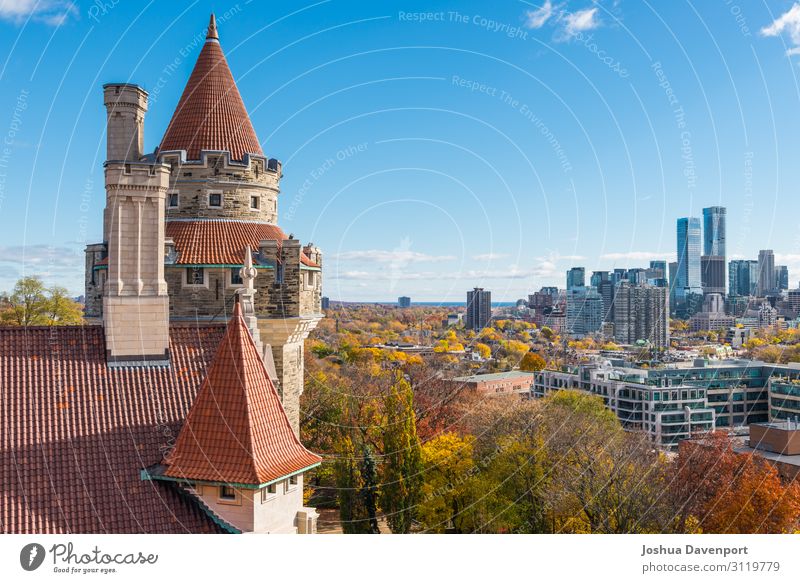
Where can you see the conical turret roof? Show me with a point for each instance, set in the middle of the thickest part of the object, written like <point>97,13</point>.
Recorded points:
<point>210,114</point>
<point>237,431</point>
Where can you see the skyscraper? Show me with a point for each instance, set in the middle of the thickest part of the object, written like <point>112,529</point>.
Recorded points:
<point>606,291</point>
<point>713,274</point>
<point>742,277</point>
<point>576,277</point>
<point>688,281</point>
<point>404,302</point>
<point>641,312</point>
<point>479,309</point>
<point>714,231</point>
<point>584,311</point>
<point>781,277</point>
<point>598,277</point>
<point>713,260</point>
<point>766,272</point>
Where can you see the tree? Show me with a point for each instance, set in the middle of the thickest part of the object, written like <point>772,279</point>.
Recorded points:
<point>32,304</point>
<point>483,350</point>
<point>369,491</point>
<point>728,492</point>
<point>401,457</point>
<point>446,490</point>
<point>350,484</point>
<point>548,333</point>
<point>532,362</point>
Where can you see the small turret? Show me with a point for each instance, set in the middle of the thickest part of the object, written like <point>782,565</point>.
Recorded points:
<point>126,105</point>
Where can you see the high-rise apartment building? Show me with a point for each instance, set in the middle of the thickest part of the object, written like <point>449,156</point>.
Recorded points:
<point>641,312</point>
<point>712,269</point>
<point>598,277</point>
<point>576,277</point>
<point>688,274</point>
<point>404,302</point>
<point>781,277</point>
<point>714,231</point>
<point>584,311</point>
<point>479,309</point>
<point>743,277</point>
<point>766,272</point>
<point>688,288</point>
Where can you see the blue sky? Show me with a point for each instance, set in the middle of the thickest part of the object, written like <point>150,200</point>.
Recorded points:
<point>429,147</point>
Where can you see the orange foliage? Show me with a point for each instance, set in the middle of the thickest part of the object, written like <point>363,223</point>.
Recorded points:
<point>729,492</point>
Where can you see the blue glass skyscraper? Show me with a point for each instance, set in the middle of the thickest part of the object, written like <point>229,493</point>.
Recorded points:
<point>714,231</point>
<point>687,279</point>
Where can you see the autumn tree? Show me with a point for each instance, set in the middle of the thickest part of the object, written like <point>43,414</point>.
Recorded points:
<point>446,492</point>
<point>532,362</point>
<point>401,478</point>
<point>728,492</point>
<point>30,303</point>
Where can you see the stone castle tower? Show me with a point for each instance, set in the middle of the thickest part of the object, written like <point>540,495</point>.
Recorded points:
<point>178,222</point>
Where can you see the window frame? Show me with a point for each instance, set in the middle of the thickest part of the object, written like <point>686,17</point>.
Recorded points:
<point>177,195</point>
<point>229,278</point>
<point>185,278</point>
<point>257,199</point>
<point>223,498</point>
<point>219,193</point>
<point>266,494</point>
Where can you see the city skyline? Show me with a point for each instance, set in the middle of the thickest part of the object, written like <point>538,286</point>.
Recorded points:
<point>396,157</point>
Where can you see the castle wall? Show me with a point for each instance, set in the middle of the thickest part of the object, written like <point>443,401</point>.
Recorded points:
<point>195,182</point>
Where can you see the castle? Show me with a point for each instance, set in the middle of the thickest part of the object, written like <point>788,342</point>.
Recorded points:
<point>181,393</point>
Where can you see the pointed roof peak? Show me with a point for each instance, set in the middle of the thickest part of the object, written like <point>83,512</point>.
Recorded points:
<point>212,29</point>
<point>237,431</point>
<point>211,114</point>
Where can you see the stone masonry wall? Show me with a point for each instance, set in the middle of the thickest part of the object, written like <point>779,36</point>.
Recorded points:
<point>193,182</point>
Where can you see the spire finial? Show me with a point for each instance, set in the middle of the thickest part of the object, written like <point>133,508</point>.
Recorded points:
<point>212,28</point>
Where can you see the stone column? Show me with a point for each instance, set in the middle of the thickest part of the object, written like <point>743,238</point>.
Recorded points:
<point>286,336</point>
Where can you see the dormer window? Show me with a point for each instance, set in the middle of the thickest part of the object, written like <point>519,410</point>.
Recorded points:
<point>268,492</point>
<point>227,493</point>
<point>214,200</point>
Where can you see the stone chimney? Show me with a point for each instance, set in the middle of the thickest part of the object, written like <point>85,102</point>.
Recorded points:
<point>135,304</point>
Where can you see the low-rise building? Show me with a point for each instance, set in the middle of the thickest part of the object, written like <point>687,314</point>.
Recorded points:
<point>519,382</point>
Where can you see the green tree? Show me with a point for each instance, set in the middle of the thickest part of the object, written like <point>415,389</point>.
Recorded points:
<point>30,303</point>
<point>401,480</point>
<point>369,490</point>
<point>350,487</point>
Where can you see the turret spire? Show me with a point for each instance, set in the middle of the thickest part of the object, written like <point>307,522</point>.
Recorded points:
<point>210,114</point>
<point>212,29</point>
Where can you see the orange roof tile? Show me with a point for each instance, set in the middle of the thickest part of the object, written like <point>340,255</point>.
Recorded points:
<point>76,433</point>
<point>221,242</point>
<point>210,114</point>
<point>237,431</point>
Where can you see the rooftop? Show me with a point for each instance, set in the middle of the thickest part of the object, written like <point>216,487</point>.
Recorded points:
<point>496,376</point>
<point>211,114</point>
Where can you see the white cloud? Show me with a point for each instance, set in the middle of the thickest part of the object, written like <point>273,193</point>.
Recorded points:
<point>52,12</point>
<point>580,21</point>
<point>489,256</point>
<point>537,18</point>
<point>399,257</point>
<point>788,22</point>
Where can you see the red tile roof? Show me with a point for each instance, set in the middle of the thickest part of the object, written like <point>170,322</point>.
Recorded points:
<point>210,114</point>
<point>75,433</point>
<point>237,431</point>
<point>221,242</point>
